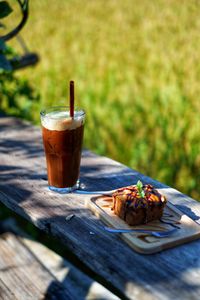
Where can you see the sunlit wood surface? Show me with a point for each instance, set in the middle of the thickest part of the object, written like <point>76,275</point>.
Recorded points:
<point>170,274</point>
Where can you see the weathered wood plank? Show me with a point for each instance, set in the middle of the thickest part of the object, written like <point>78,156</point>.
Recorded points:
<point>5,292</point>
<point>174,273</point>
<point>23,255</point>
<point>23,274</point>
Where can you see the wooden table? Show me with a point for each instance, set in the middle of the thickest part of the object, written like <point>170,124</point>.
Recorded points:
<point>29,270</point>
<point>170,274</point>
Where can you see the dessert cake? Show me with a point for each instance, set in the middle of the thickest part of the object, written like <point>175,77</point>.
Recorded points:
<point>138,204</point>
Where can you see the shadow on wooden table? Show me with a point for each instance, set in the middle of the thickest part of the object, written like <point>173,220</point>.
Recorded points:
<point>23,188</point>
<point>30,269</point>
<point>136,266</point>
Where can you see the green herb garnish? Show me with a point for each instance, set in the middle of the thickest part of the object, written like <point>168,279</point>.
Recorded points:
<point>140,189</point>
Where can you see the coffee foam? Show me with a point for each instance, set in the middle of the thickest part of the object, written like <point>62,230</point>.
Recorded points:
<point>61,121</point>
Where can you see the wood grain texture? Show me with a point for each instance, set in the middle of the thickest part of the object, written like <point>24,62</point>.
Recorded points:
<point>23,275</point>
<point>29,270</point>
<point>171,274</point>
<point>5,292</point>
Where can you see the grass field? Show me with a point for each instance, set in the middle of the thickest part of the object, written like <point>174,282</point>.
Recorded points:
<point>136,65</point>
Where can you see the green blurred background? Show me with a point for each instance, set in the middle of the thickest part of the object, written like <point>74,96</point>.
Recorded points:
<point>136,67</point>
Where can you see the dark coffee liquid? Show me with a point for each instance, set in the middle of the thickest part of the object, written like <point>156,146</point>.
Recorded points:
<point>63,155</point>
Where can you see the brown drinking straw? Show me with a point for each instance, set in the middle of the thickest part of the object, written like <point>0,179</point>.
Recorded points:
<point>71,88</point>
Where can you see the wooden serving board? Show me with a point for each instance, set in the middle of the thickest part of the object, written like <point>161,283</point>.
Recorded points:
<point>144,243</point>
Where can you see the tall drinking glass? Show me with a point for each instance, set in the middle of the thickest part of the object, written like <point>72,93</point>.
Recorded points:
<point>62,139</point>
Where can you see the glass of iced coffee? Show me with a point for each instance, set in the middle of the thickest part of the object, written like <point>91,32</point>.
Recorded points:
<point>62,138</point>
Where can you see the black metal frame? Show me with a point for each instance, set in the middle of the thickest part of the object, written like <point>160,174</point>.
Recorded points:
<point>29,58</point>
<point>24,5</point>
